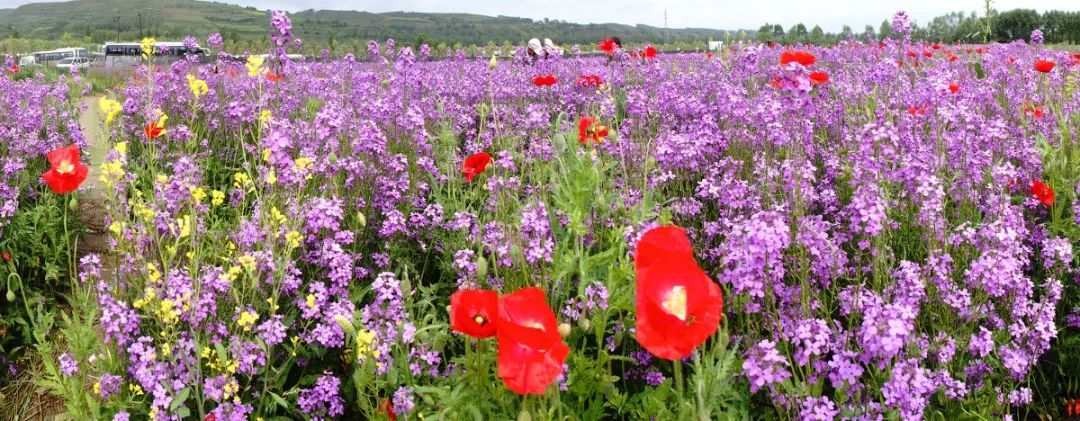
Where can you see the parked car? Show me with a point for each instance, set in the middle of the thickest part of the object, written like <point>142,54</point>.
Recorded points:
<point>68,63</point>
<point>27,61</point>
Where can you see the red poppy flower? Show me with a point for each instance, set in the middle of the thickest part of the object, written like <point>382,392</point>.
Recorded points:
<point>6,256</point>
<point>1037,113</point>
<point>473,312</point>
<point>927,54</point>
<point>475,165</point>
<point>954,88</point>
<point>678,307</point>
<point>1044,66</point>
<point>210,417</point>
<point>911,54</point>
<point>589,130</point>
<point>545,80</point>
<point>936,46</point>
<point>952,58</point>
<point>154,130</point>
<point>708,56</point>
<point>67,173</point>
<point>232,72</point>
<point>650,52</point>
<point>770,44</point>
<point>608,46</point>
<point>1042,192</point>
<point>275,77</point>
<point>14,68</point>
<point>802,57</point>
<point>819,77</point>
<point>589,80</point>
<point>662,243</point>
<point>531,352</point>
<point>386,408</point>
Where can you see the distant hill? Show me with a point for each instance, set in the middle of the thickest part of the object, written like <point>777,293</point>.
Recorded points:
<point>101,20</point>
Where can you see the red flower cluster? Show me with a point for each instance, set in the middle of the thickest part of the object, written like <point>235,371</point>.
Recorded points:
<point>678,305</point>
<point>589,129</point>
<point>67,173</point>
<point>531,351</point>
<point>802,57</point>
<point>954,88</point>
<point>546,80</point>
<point>1044,66</point>
<point>818,78</point>
<point>475,165</point>
<point>608,46</point>
<point>1042,192</point>
<point>650,52</point>
<point>275,76</point>
<point>589,80</point>
<point>1072,407</point>
<point>154,130</point>
<point>1033,110</point>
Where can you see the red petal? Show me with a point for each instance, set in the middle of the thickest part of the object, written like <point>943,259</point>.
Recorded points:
<point>662,243</point>
<point>467,305</point>
<point>531,352</point>
<point>658,330</point>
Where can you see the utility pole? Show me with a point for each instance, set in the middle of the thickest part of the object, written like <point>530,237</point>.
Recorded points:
<point>140,26</point>
<point>117,19</point>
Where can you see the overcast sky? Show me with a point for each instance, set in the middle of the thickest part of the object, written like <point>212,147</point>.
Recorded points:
<point>718,14</point>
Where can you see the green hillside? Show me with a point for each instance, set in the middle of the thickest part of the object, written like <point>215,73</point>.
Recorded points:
<point>96,21</point>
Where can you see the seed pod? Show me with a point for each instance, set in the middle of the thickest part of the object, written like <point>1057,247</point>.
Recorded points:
<point>73,204</point>
<point>481,267</point>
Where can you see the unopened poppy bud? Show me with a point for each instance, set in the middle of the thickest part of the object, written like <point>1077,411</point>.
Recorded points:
<point>448,309</point>
<point>345,324</point>
<point>564,330</point>
<point>10,296</point>
<point>481,267</point>
<point>73,204</point>
<point>361,219</point>
<point>584,324</point>
<point>493,63</point>
<point>524,416</point>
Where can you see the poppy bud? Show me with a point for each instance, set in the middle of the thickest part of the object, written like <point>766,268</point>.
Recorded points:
<point>524,415</point>
<point>10,296</point>
<point>73,204</point>
<point>493,63</point>
<point>332,157</point>
<point>345,324</point>
<point>564,330</point>
<point>360,218</point>
<point>584,324</point>
<point>481,267</point>
<point>448,307</point>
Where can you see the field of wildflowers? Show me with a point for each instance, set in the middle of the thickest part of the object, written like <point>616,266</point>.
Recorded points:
<point>877,229</point>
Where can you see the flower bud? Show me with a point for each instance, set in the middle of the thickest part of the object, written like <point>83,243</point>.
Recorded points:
<point>564,330</point>
<point>73,204</point>
<point>361,219</point>
<point>584,324</point>
<point>10,296</point>
<point>524,415</point>
<point>481,267</point>
<point>345,324</point>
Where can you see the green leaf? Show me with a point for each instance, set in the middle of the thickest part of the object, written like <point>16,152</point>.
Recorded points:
<point>180,398</point>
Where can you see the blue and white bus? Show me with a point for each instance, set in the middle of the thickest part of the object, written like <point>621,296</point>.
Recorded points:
<point>119,54</point>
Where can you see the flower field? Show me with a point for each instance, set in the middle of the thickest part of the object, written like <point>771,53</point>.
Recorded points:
<point>862,231</point>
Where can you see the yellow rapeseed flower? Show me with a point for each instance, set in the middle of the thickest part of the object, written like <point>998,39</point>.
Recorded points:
<point>217,197</point>
<point>276,216</point>
<point>183,225</point>
<point>198,87</point>
<point>247,320</point>
<point>147,46</point>
<point>198,194</point>
<point>241,181</point>
<point>111,108</point>
<point>121,148</point>
<point>254,65</point>
<point>264,117</point>
<point>293,238</point>
<point>364,338</point>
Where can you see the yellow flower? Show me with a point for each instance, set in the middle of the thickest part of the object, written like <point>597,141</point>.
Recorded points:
<point>148,295</point>
<point>264,117</point>
<point>198,87</point>
<point>241,180</point>
<point>271,178</point>
<point>153,273</point>
<point>121,148</point>
<point>97,388</point>
<point>111,109</point>
<point>277,218</point>
<point>310,301</point>
<point>293,238</point>
<point>135,389</point>
<point>254,65</point>
<point>170,314</point>
<point>147,47</point>
<point>198,194</point>
<point>183,224</point>
<point>116,227</point>
<point>364,338</point>
<point>247,320</point>
<point>217,197</point>
<point>302,165</point>
<point>247,261</point>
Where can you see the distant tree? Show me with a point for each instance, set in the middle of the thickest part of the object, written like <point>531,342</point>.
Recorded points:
<point>1015,24</point>
<point>845,33</point>
<point>797,33</point>
<point>885,31</point>
<point>764,33</point>
<point>817,35</point>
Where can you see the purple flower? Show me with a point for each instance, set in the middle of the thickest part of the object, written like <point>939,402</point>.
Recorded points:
<point>215,41</point>
<point>68,365</point>
<point>403,401</point>
<point>1037,36</point>
<point>536,233</point>
<point>764,366</point>
<point>901,23</point>
<point>817,409</point>
<point>321,401</point>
